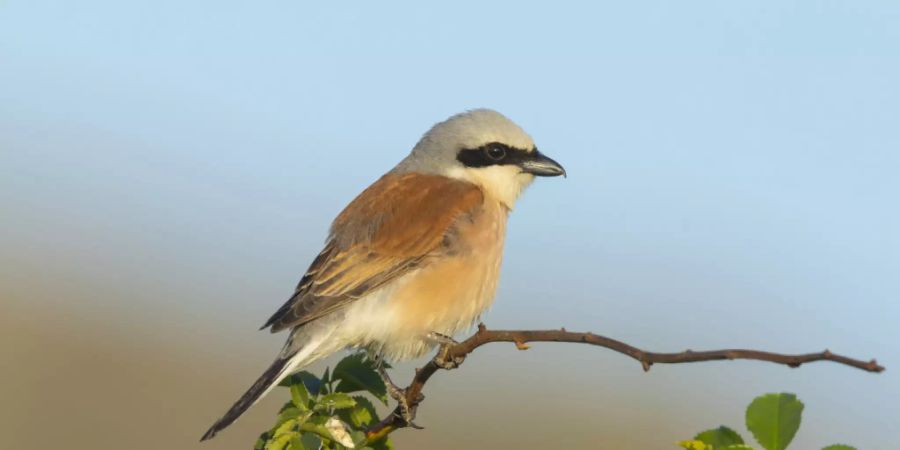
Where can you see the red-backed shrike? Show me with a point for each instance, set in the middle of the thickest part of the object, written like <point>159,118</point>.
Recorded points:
<point>415,256</point>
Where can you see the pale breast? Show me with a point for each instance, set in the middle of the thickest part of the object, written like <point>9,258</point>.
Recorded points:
<point>451,290</point>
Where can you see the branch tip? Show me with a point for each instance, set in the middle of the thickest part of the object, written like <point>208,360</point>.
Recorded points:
<point>520,338</point>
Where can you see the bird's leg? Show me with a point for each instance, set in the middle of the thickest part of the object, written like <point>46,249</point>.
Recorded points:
<point>443,359</point>
<point>407,412</point>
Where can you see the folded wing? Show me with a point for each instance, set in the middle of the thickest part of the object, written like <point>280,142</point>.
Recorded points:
<point>392,227</point>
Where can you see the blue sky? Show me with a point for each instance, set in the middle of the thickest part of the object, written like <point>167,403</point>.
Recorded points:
<point>732,168</point>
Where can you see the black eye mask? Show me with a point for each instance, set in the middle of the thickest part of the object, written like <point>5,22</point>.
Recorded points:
<point>499,154</point>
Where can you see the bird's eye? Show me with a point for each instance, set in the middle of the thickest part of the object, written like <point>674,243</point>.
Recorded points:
<point>495,152</point>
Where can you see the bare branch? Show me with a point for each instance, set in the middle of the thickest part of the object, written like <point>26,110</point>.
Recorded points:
<point>521,337</point>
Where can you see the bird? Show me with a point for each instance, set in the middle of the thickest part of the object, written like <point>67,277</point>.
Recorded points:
<point>413,259</point>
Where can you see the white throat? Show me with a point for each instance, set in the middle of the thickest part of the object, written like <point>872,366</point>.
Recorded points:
<point>502,183</point>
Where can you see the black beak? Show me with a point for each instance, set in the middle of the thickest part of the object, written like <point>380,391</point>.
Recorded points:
<point>536,163</point>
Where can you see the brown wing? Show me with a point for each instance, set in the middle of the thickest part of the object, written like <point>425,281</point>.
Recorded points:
<point>391,227</point>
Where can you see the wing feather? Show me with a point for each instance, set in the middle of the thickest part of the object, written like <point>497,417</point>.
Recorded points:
<point>395,225</point>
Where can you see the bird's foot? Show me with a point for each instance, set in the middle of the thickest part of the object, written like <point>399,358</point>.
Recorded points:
<point>441,338</point>
<point>445,360</point>
<point>406,412</point>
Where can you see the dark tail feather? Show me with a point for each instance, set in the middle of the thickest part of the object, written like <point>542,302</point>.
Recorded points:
<point>269,377</point>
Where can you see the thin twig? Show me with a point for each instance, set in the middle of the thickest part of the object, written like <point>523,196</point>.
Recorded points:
<point>484,336</point>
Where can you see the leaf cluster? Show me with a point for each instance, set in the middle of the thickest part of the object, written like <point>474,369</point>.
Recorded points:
<point>773,419</point>
<point>331,412</point>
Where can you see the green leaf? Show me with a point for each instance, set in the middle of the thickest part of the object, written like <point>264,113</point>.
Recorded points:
<point>358,373</point>
<point>839,447</point>
<point>363,414</point>
<point>316,425</point>
<point>737,447</point>
<point>288,414</point>
<point>297,443</point>
<point>300,396</point>
<point>312,383</point>
<point>774,419</point>
<point>281,442</point>
<point>335,400</point>
<point>359,438</point>
<point>261,441</point>
<point>719,437</point>
<point>284,428</point>
<point>384,443</point>
<point>310,440</point>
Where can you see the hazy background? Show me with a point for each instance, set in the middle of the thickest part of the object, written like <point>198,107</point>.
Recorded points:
<point>168,169</point>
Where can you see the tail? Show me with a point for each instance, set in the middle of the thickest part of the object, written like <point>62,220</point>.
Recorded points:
<point>311,351</point>
<point>271,377</point>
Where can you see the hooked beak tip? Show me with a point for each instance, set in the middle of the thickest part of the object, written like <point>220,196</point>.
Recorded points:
<point>543,166</point>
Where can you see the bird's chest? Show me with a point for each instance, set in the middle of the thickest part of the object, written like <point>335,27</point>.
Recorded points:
<point>454,288</point>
